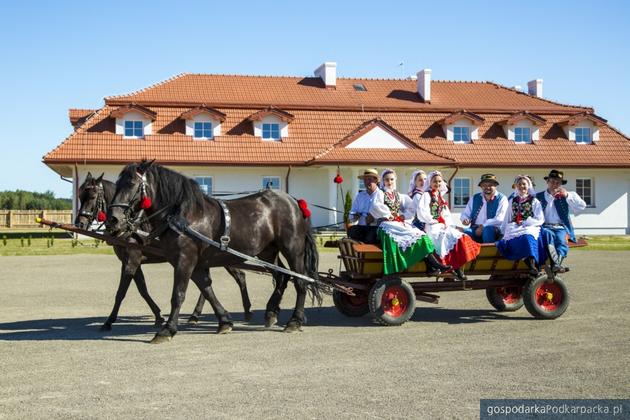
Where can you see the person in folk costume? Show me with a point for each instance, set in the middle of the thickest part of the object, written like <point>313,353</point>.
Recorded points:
<point>416,189</point>
<point>521,227</point>
<point>485,211</point>
<point>366,229</point>
<point>557,203</point>
<point>454,247</point>
<point>403,244</point>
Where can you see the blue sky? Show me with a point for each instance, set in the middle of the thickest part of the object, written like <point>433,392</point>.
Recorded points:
<point>60,55</point>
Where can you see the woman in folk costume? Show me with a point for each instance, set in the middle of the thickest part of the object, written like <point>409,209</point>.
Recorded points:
<point>454,247</point>
<point>416,189</point>
<point>403,245</point>
<point>521,226</point>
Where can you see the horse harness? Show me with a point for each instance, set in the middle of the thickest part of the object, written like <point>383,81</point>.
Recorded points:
<point>101,204</point>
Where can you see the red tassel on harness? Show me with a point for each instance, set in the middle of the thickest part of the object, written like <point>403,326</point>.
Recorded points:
<point>304,208</point>
<point>338,179</point>
<point>101,216</point>
<point>145,203</point>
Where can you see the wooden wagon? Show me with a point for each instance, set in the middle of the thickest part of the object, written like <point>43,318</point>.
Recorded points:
<point>391,299</point>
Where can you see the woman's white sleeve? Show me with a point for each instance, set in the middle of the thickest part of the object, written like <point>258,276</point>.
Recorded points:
<point>538,218</point>
<point>378,209</point>
<point>423,212</point>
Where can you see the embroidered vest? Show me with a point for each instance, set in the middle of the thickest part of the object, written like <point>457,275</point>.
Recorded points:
<point>562,208</point>
<point>437,206</point>
<point>491,206</point>
<point>417,223</point>
<point>522,210</point>
<point>392,203</point>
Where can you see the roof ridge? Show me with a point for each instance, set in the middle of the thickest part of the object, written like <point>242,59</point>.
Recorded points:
<point>586,108</point>
<point>136,92</point>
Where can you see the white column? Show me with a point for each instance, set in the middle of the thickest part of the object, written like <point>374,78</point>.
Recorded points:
<point>332,195</point>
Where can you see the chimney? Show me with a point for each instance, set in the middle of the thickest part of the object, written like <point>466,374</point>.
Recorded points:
<point>518,87</point>
<point>424,84</point>
<point>534,88</point>
<point>328,73</point>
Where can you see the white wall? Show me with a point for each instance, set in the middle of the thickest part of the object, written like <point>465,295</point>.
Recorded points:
<point>377,138</point>
<point>270,119</point>
<point>610,215</point>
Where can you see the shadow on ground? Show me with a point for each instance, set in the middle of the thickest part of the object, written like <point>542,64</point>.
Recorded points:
<point>141,328</point>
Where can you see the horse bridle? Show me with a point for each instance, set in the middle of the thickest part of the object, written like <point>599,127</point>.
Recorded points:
<point>101,204</point>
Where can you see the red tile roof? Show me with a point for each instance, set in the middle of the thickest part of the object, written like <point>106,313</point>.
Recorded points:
<point>324,119</point>
<point>78,116</point>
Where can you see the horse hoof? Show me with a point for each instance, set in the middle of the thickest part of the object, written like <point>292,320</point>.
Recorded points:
<point>158,322</point>
<point>271,321</point>
<point>224,328</point>
<point>106,327</point>
<point>293,327</point>
<point>193,320</point>
<point>159,339</point>
<point>248,316</point>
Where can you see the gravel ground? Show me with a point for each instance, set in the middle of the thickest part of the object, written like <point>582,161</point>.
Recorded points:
<point>56,364</point>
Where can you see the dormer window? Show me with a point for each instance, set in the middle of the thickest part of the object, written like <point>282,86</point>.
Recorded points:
<point>461,134</point>
<point>134,129</point>
<point>583,135</point>
<point>522,134</point>
<point>271,131</point>
<point>203,130</point>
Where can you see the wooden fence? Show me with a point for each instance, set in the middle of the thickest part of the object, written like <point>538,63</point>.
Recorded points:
<point>21,219</point>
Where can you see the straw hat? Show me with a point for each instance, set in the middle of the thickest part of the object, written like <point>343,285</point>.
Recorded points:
<point>370,173</point>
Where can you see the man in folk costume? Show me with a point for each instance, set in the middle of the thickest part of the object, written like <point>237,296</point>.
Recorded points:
<point>403,244</point>
<point>366,227</point>
<point>485,211</point>
<point>521,226</point>
<point>557,203</point>
<point>454,247</point>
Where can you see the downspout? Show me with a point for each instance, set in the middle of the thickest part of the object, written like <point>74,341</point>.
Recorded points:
<point>286,180</point>
<point>75,182</point>
<point>450,196</point>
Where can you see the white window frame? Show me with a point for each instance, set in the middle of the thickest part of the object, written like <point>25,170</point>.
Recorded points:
<point>529,138</point>
<point>133,129</point>
<point>462,128</point>
<point>203,130</point>
<point>262,179</point>
<point>590,135</point>
<point>262,131</point>
<point>454,191</point>
<point>592,188</point>
<point>196,177</point>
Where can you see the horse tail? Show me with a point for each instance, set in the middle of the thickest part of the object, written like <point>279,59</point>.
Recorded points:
<point>311,265</point>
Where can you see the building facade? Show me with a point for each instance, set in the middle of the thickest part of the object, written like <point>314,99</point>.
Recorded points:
<point>245,133</point>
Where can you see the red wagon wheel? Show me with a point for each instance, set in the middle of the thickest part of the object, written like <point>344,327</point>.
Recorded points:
<point>392,301</point>
<point>546,299</point>
<point>505,299</point>
<point>353,306</point>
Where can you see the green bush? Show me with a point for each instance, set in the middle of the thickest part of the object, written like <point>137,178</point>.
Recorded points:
<point>4,240</point>
<point>28,240</point>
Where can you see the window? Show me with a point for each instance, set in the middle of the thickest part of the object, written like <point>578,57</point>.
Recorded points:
<point>205,182</point>
<point>522,135</point>
<point>584,188</point>
<point>271,131</point>
<point>461,134</point>
<point>359,87</point>
<point>203,130</point>
<point>461,192</point>
<point>133,129</point>
<point>583,135</point>
<point>271,182</point>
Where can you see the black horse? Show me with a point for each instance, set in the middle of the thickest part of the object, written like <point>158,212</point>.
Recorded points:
<point>264,225</point>
<point>95,195</point>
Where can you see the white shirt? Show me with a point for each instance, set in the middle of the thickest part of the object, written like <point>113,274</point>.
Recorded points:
<point>482,217</point>
<point>575,202</point>
<point>363,203</point>
<point>423,212</point>
<point>530,226</point>
<point>380,210</point>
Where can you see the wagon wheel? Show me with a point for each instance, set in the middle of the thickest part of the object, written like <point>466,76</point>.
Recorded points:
<point>392,301</point>
<point>353,306</point>
<point>505,299</point>
<point>546,299</point>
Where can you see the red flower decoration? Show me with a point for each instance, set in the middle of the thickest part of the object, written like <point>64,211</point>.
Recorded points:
<point>145,203</point>
<point>303,205</point>
<point>338,179</point>
<point>519,218</point>
<point>441,220</point>
<point>101,216</point>
<point>399,219</point>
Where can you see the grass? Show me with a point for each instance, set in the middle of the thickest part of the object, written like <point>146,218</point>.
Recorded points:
<point>606,243</point>
<point>43,246</point>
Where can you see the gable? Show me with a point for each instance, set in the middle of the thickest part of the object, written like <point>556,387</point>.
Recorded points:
<point>377,138</point>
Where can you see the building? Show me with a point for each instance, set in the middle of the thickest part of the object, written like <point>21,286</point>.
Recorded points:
<point>240,133</point>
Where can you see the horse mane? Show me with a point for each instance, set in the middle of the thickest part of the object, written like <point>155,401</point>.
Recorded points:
<point>171,188</point>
